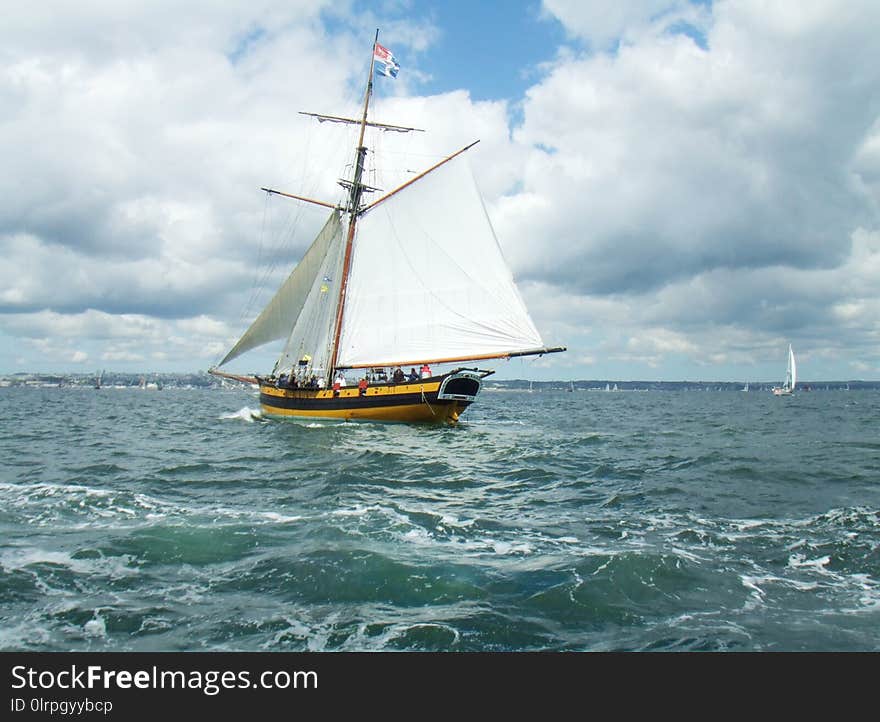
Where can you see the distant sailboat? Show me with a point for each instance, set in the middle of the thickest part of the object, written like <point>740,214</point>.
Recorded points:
<point>787,387</point>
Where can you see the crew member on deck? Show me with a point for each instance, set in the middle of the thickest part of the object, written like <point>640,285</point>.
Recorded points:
<point>362,387</point>
<point>426,371</point>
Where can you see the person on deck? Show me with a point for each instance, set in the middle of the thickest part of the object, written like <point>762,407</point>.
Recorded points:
<point>413,376</point>
<point>340,379</point>
<point>362,387</point>
<point>426,371</point>
<point>398,376</point>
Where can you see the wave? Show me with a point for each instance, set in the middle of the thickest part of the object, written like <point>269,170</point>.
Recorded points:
<point>244,414</point>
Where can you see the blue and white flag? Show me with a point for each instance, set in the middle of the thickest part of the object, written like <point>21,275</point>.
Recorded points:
<point>385,62</point>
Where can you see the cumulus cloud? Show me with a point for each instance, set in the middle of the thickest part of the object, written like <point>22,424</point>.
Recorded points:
<point>734,156</point>
<point>683,186</point>
<point>718,184</point>
<point>606,23</point>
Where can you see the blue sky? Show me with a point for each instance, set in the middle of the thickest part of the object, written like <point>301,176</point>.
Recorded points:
<point>681,188</point>
<point>492,49</point>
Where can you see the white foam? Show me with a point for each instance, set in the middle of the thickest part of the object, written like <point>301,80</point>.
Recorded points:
<point>25,633</point>
<point>417,535</point>
<point>688,555</point>
<point>744,524</point>
<point>277,518</point>
<point>244,414</point>
<point>797,561</point>
<point>385,639</point>
<point>296,630</point>
<point>23,559</point>
<point>502,547</point>
<point>453,521</point>
<point>95,627</point>
<point>357,511</point>
<point>756,598</point>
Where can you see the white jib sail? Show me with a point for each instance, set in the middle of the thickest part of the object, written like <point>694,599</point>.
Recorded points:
<point>279,317</point>
<point>428,280</point>
<point>313,332</point>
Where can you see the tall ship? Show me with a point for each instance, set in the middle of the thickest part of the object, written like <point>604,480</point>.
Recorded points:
<point>400,297</point>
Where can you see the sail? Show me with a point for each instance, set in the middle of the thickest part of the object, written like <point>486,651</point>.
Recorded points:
<point>428,280</point>
<point>280,315</point>
<point>313,332</point>
<point>792,367</point>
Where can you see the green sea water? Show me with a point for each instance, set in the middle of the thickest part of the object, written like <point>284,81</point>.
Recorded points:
<point>170,520</point>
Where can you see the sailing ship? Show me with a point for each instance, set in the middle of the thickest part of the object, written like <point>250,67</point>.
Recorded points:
<point>788,385</point>
<point>411,280</point>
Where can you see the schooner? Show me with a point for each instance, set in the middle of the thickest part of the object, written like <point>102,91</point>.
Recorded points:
<point>389,288</point>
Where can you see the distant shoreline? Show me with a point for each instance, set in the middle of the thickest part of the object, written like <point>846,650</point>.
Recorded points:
<point>201,379</point>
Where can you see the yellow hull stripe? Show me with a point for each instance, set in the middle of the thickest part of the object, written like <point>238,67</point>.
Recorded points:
<point>413,414</point>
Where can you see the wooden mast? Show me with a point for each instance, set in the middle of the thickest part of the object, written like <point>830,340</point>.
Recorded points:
<point>354,203</point>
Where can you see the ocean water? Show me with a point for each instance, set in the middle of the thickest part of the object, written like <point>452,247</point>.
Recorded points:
<point>589,521</point>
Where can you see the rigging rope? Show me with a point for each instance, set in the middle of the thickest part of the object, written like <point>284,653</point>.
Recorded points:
<point>433,413</point>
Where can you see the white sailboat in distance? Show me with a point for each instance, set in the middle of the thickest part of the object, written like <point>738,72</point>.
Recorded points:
<point>788,385</point>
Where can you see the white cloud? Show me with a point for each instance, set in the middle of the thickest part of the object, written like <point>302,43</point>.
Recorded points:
<point>604,22</point>
<point>690,158</point>
<point>706,189</point>
<point>688,184</point>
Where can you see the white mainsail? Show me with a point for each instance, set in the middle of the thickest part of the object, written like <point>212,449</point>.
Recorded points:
<point>281,317</point>
<point>428,280</point>
<point>792,369</point>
